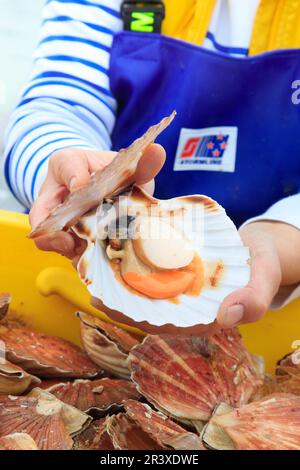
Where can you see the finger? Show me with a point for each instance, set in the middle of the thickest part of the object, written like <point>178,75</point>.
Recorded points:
<point>149,187</point>
<point>60,242</point>
<point>97,161</point>
<point>251,303</point>
<point>45,203</point>
<point>80,247</point>
<point>71,171</point>
<point>150,164</point>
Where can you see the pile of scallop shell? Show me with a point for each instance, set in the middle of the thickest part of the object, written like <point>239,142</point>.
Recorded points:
<point>129,393</point>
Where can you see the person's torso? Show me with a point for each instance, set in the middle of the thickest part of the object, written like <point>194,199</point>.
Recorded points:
<point>236,136</point>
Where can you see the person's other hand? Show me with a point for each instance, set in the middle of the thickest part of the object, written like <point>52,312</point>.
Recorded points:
<point>275,256</point>
<point>70,169</point>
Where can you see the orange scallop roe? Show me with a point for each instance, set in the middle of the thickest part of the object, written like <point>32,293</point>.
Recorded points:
<point>161,284</point>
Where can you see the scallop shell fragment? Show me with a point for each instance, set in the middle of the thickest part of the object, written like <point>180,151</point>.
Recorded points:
<point>112,180</point>
<point>17,441</point>
<point>279,384</point>
<point>125,434</point>
<point>140,428</point>
<point>213,436</point>
<point>98,395</point>
<point>178,295</point>
<point>94,437</point>
<point>106,344</point>
<point>187,377</point>
<point>289,365</point>
<point>272,423</point>
<point>5,300</point>
<point>117,432</point>
<point>46,356</point>
<point>163,430</point>
<point>47,420</point>
<point>14,380</point>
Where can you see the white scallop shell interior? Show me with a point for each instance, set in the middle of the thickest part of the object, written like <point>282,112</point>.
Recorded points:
<point>219,240</point>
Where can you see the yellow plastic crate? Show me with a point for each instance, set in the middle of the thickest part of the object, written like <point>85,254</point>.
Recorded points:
<point>46,292</point>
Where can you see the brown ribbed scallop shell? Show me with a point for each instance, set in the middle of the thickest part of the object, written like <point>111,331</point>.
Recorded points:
<point>17,441</point>
<point>161,429</point>
<point>187,377</point>
<point>106,344</point>
<point>98,395</point>
<point>95,437</point>
<point>125,434</point>
<point>272,423</point>
<point>47,420</point>
<point>46,356</point>
<point>14,380</point>
<point>5,300</point>
<point>289,365</point>
<point>279,384</point>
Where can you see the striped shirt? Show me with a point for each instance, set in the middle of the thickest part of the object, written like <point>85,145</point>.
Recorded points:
<point>68,102</point>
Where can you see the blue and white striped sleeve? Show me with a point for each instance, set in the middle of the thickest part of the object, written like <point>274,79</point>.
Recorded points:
<point>67,102</point>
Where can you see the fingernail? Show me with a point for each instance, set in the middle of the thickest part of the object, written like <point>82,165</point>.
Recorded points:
<point>233,315</point>
<point>59,245</point>
<point>72,184</point>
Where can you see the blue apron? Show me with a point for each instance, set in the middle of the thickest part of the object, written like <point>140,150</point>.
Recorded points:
<point>151,75</point>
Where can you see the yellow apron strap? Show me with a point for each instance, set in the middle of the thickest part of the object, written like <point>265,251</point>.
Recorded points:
<point>277,26</point>
<point>188,20</point>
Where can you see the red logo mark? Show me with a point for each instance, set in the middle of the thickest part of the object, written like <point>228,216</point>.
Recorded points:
<point>190,147</point>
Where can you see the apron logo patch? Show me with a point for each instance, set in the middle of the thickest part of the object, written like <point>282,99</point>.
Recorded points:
<point>211,149</point>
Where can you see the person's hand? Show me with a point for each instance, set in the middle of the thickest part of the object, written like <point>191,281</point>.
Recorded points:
<point>275,262</point>
<point>244,305</point>
<point>71,169</point>
<point>274,249</point>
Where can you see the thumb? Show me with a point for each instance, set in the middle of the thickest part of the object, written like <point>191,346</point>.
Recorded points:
<point>150,164</point>
<point>70,169</point>
<point>251,303</point>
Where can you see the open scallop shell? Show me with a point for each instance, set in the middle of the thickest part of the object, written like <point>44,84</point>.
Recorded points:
<point>14,380</point>
<point>46,356</point>
<point>272,423</point>
<point>17,441</point>
<point>187,377</point>
<point>117,432</point>
<point>98,395</point>
<point>215,240</point>
<point>163,430</point>
<point>106,344</point>
<point>50,422</point>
